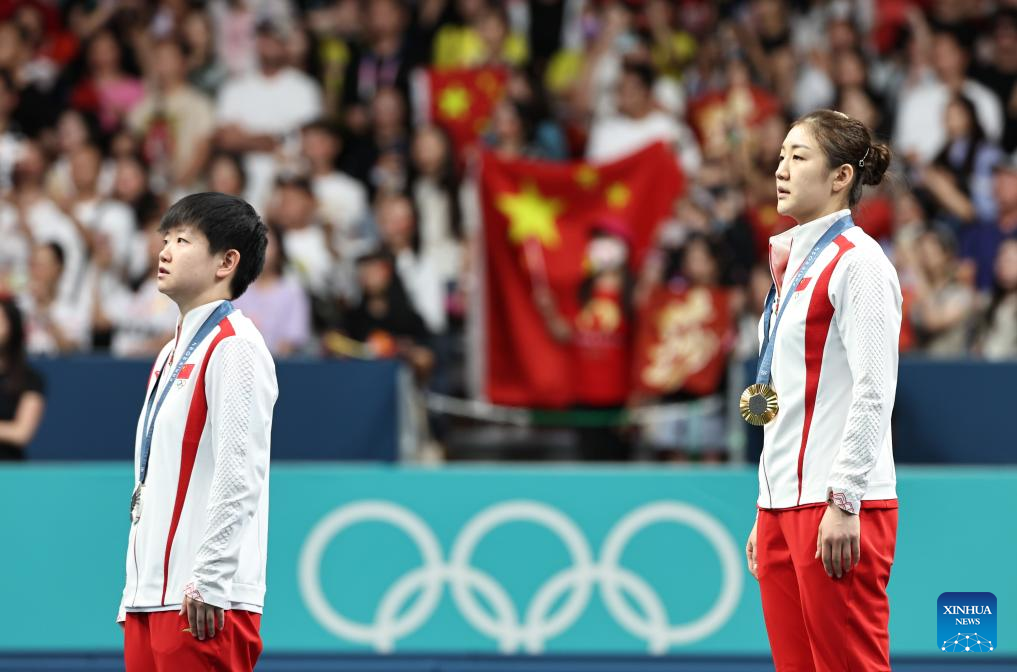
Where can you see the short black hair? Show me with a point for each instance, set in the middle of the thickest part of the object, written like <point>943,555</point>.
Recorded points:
<point>229,223</point>
<point>642,71</point>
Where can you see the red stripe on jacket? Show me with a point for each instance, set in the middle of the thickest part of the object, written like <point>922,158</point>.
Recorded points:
<point>189,449</point>
<point>817,328</point>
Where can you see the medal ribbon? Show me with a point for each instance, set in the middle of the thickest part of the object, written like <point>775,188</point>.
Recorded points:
<point>766,351</point>
<point>224,309</point>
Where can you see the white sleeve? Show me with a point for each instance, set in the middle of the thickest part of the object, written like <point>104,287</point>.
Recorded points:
<point>241,390</point>
<point>867,309</point>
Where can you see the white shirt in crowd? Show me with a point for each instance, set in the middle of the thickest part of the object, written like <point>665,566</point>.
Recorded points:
<point>308,253</point>
<point>437,240</point>
<point>342,201</point>
<point>424,287</point>
<point>114,220</point>
<point>48,224</point>
<point>616,136</point>
<point>278,105</point>
<point>920,126</point>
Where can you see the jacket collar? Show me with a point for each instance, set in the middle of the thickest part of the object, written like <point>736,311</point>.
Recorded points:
<point>789,249</point>
<point>189,325</point>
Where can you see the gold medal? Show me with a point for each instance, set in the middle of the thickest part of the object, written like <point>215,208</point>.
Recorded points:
<point>758,404</point>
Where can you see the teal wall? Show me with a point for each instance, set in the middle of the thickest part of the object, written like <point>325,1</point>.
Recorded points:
<point>552,559</point>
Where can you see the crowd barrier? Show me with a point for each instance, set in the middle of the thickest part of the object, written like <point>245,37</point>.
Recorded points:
<point>946,411</point>
<point>377,559</point>
<point>327,409</point>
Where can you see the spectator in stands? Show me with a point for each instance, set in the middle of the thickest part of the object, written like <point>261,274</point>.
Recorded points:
<point>108,91</point>
<point>31,72</point>
<point>639,123</point>
<point>131,186</point>
<point>1000,74</point>
<point>436,196</point>
<point>979,242</point>
<point>75,129</point>
<point>308,246</point>
<point>174,120</point>
<point>379,157</point>
<point>959,179</point>
<point>397,226</point>
<point>10,138</point>
<point>132,318</point>
<point>919,132</point>
<point>261,112</point>
<point>697,266</point>
<point>277,304</point>
<point>943,304</point>
<point>22,390</point>
<point>203,68</point>
<point>342,200</point>
<point>480,36</point>
<point>226,174</point>
<point>96,216</point>
<point>997,338</point>
<point>385,319</point>
<point>36,219</point>
<point>382,61</point>
<point>54,324</point>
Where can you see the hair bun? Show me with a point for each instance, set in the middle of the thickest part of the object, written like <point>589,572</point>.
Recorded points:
<point>875,164</point>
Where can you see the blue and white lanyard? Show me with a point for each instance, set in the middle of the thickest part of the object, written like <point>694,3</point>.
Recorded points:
<point>763,375</point>
<point>224,309</point>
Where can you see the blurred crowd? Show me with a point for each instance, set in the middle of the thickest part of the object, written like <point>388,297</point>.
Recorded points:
<point>112,109</point>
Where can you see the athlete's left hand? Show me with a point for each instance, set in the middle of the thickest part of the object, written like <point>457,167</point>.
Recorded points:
<point>202,617</point>
<point>839,542</point>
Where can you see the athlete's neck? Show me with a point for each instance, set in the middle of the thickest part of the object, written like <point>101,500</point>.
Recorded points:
<point>213,294</point>
<point>825,212</point>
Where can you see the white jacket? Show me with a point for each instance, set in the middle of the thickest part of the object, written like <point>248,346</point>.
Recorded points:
<point>204,513</point>
<point>834,370</point>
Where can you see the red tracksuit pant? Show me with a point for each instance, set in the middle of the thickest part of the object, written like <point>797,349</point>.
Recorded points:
<point>817,623</point>
<point>155,642</point>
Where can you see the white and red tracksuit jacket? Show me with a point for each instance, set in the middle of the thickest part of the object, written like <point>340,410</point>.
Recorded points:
<point>204,515</point>
<point>834,370</point>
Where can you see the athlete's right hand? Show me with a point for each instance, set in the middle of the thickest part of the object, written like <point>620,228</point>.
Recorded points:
<point>750,553</point>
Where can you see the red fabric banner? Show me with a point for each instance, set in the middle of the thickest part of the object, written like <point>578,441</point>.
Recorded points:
<point>548,312</point>
<point>683,342</point>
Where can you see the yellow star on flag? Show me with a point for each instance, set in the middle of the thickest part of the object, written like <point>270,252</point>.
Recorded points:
<point>454,102</point>
<point>531,216</point>
<point>586,176</point>
<point>618,195</point>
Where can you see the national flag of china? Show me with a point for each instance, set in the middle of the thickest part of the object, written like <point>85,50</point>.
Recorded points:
<point>684,338</point>
<point>461,101</point>
<point>539,215</point>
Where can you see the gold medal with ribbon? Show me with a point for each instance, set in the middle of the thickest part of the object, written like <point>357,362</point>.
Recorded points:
<point>758,404</point>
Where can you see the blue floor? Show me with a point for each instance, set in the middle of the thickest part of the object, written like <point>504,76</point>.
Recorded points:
<point>94,662</point>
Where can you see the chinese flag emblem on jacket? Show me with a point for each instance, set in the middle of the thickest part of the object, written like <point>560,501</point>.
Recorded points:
<point>539,220</point>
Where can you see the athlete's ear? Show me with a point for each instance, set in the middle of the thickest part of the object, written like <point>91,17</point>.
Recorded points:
<point>842,177</point>
<point>230,262</point>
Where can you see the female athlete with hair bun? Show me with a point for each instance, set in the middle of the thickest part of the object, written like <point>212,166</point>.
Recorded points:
<point>825,531</point>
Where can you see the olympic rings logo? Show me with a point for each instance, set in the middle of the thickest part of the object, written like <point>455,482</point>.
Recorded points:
<point>530,631</point>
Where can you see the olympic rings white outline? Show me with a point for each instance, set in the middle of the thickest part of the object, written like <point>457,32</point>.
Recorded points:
<point>539,624</point>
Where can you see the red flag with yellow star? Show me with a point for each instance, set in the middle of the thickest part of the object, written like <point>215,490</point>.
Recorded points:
<point>462,100</point>
<point>540,221</point>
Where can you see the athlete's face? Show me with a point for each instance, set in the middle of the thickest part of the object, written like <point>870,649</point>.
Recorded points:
<point>807,188</point>
<point>187,269</point>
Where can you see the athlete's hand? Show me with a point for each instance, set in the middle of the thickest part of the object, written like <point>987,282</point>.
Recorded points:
<point>750,553</point>
<point>839,541</point>
<point>202,617</point>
